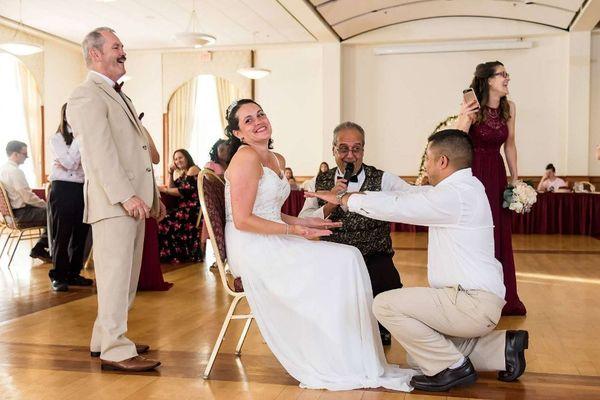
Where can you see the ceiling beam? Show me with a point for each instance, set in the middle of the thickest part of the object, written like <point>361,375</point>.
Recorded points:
<point>310,19</point>
<point>587,18</point>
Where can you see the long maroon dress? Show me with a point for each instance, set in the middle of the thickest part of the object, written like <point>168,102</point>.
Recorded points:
<point>488,166</point>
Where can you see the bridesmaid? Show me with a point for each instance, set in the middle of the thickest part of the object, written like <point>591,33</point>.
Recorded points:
<point>491,126</point>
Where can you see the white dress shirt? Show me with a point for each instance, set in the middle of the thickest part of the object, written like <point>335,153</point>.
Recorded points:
<point>17,188</point>
<point>69,158</point>
<point>110,82</point>
<point>389,183</point>
<point>461,229</point>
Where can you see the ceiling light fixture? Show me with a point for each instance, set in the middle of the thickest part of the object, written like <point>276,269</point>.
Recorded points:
<point>446,47</point>
<point>19,47</point>
<point>191,37</point>
<point>253,72</point>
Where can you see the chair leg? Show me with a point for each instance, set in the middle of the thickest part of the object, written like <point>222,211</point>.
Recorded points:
<point>219,341</point>
<point>238,348</point>
<point>16,247</point>
<point>8,237</point>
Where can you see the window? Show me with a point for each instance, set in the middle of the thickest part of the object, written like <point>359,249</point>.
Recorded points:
<point>12,113</point>
<point>207,126</point>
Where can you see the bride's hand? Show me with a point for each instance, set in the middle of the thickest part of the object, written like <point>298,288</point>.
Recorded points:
<point>314,222</point>
<point>307,232</point>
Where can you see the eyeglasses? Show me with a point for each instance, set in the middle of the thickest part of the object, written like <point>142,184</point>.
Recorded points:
<point>24,154</point>
<point>343,150</point>
<point>503,74</point>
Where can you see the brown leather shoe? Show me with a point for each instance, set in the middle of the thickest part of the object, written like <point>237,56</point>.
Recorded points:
<point>133,364</point>
<point>140,348</point>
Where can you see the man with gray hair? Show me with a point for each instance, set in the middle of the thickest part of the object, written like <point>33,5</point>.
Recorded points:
<point>120,193</point>
<point>370,236</point>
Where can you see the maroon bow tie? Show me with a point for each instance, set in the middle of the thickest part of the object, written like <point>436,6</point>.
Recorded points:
<point>118,87</point>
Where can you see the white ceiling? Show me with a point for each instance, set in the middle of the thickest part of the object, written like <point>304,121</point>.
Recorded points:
<point>349,18</point>
<point>151,24</point>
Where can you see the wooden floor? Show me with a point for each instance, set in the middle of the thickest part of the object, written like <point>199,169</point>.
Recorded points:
<point>44,336</point>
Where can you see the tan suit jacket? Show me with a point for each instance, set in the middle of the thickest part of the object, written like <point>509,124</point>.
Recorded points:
<point>115,153</point>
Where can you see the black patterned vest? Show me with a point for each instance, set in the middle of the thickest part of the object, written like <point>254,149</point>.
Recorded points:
<point>368,235</point>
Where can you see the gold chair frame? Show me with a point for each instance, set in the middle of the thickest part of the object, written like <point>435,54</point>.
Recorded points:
<point>228,285</point>
<point>15,230</point>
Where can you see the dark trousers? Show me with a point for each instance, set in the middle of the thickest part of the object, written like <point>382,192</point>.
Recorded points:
<point>384,275</point>
<point>67,230</point>
<point>33,215</point>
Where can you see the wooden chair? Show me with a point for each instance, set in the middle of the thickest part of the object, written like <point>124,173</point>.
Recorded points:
<point>16,230</point>
<point>211,189</point>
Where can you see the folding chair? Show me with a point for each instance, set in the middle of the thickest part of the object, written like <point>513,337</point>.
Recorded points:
<point>211,189</point>
<point>16,230</point>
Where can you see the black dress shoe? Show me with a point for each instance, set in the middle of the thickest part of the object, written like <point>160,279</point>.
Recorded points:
<point>516,343</point>
<point>386,338</point>
<point>448,378</point>
<point>40,253</point>
<point>140,348</point>
<point>59,286</point>
<point>80,281</point>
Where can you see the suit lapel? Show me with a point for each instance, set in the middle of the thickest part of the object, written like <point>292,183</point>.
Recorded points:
<point>128,108</point>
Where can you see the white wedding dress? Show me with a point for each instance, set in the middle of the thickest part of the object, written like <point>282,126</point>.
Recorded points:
<point>311,300</point>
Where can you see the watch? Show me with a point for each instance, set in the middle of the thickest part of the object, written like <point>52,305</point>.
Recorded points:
<point>339,195</point>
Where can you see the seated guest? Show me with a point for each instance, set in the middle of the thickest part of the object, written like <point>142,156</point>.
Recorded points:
<point>219,157</point>
<point>177,233</point>
<point>27,206</point>
<point>310,183</point>
<point>447,329</point>
<point>65,202</point>
<point>550,182</point>
<point>289,175</point>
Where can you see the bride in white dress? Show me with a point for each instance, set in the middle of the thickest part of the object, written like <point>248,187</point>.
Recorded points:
<point>311,300</point>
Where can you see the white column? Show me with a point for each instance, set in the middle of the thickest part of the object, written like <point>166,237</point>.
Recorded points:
<point>576,141</point>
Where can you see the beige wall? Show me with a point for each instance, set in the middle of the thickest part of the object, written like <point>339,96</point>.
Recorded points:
<point>399,99</point>
<point>594,163</point>
<point>292,96</point>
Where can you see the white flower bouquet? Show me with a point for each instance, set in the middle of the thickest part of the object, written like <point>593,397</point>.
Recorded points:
<point>519,197</point>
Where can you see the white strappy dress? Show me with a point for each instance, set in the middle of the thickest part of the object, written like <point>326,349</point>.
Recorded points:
<point>311,300</point>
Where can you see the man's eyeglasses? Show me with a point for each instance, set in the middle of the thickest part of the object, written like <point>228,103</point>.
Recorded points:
<point>343,150</point>
<point>503,74</point>
<point>24,154</point>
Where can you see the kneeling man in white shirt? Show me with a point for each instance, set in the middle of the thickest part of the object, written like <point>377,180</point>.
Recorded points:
<point>447,329</point>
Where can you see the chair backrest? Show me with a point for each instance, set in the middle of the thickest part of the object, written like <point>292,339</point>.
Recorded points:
<point>211,190</point>
<point>5,209</point>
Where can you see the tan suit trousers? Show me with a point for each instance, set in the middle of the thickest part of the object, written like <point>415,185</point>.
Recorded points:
<point>437,327</point>
<point>118,247</point>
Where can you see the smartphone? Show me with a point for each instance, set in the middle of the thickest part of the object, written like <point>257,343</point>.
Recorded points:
<point>469,96</point>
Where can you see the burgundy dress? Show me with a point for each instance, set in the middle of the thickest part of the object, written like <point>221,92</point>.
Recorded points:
<point>488,166</point>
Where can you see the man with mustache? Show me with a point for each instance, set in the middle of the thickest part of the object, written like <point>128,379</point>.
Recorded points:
<point>120,193</point>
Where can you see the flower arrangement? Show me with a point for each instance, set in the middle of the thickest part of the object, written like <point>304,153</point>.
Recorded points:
<point>519,197</point>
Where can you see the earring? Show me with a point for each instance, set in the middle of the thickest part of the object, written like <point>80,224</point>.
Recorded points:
<point>242,140</point>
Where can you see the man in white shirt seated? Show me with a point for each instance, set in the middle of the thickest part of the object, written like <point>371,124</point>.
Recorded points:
<point>27,207</point>
<point>447,329</point>
<point>370,236</point>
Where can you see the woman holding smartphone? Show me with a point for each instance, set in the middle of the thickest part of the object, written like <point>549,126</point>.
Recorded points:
<point>490,121</point>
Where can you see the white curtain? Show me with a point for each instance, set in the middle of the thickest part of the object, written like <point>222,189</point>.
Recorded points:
<point>181,117</point>
<point>226,94</point>
<point>32,113</point>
